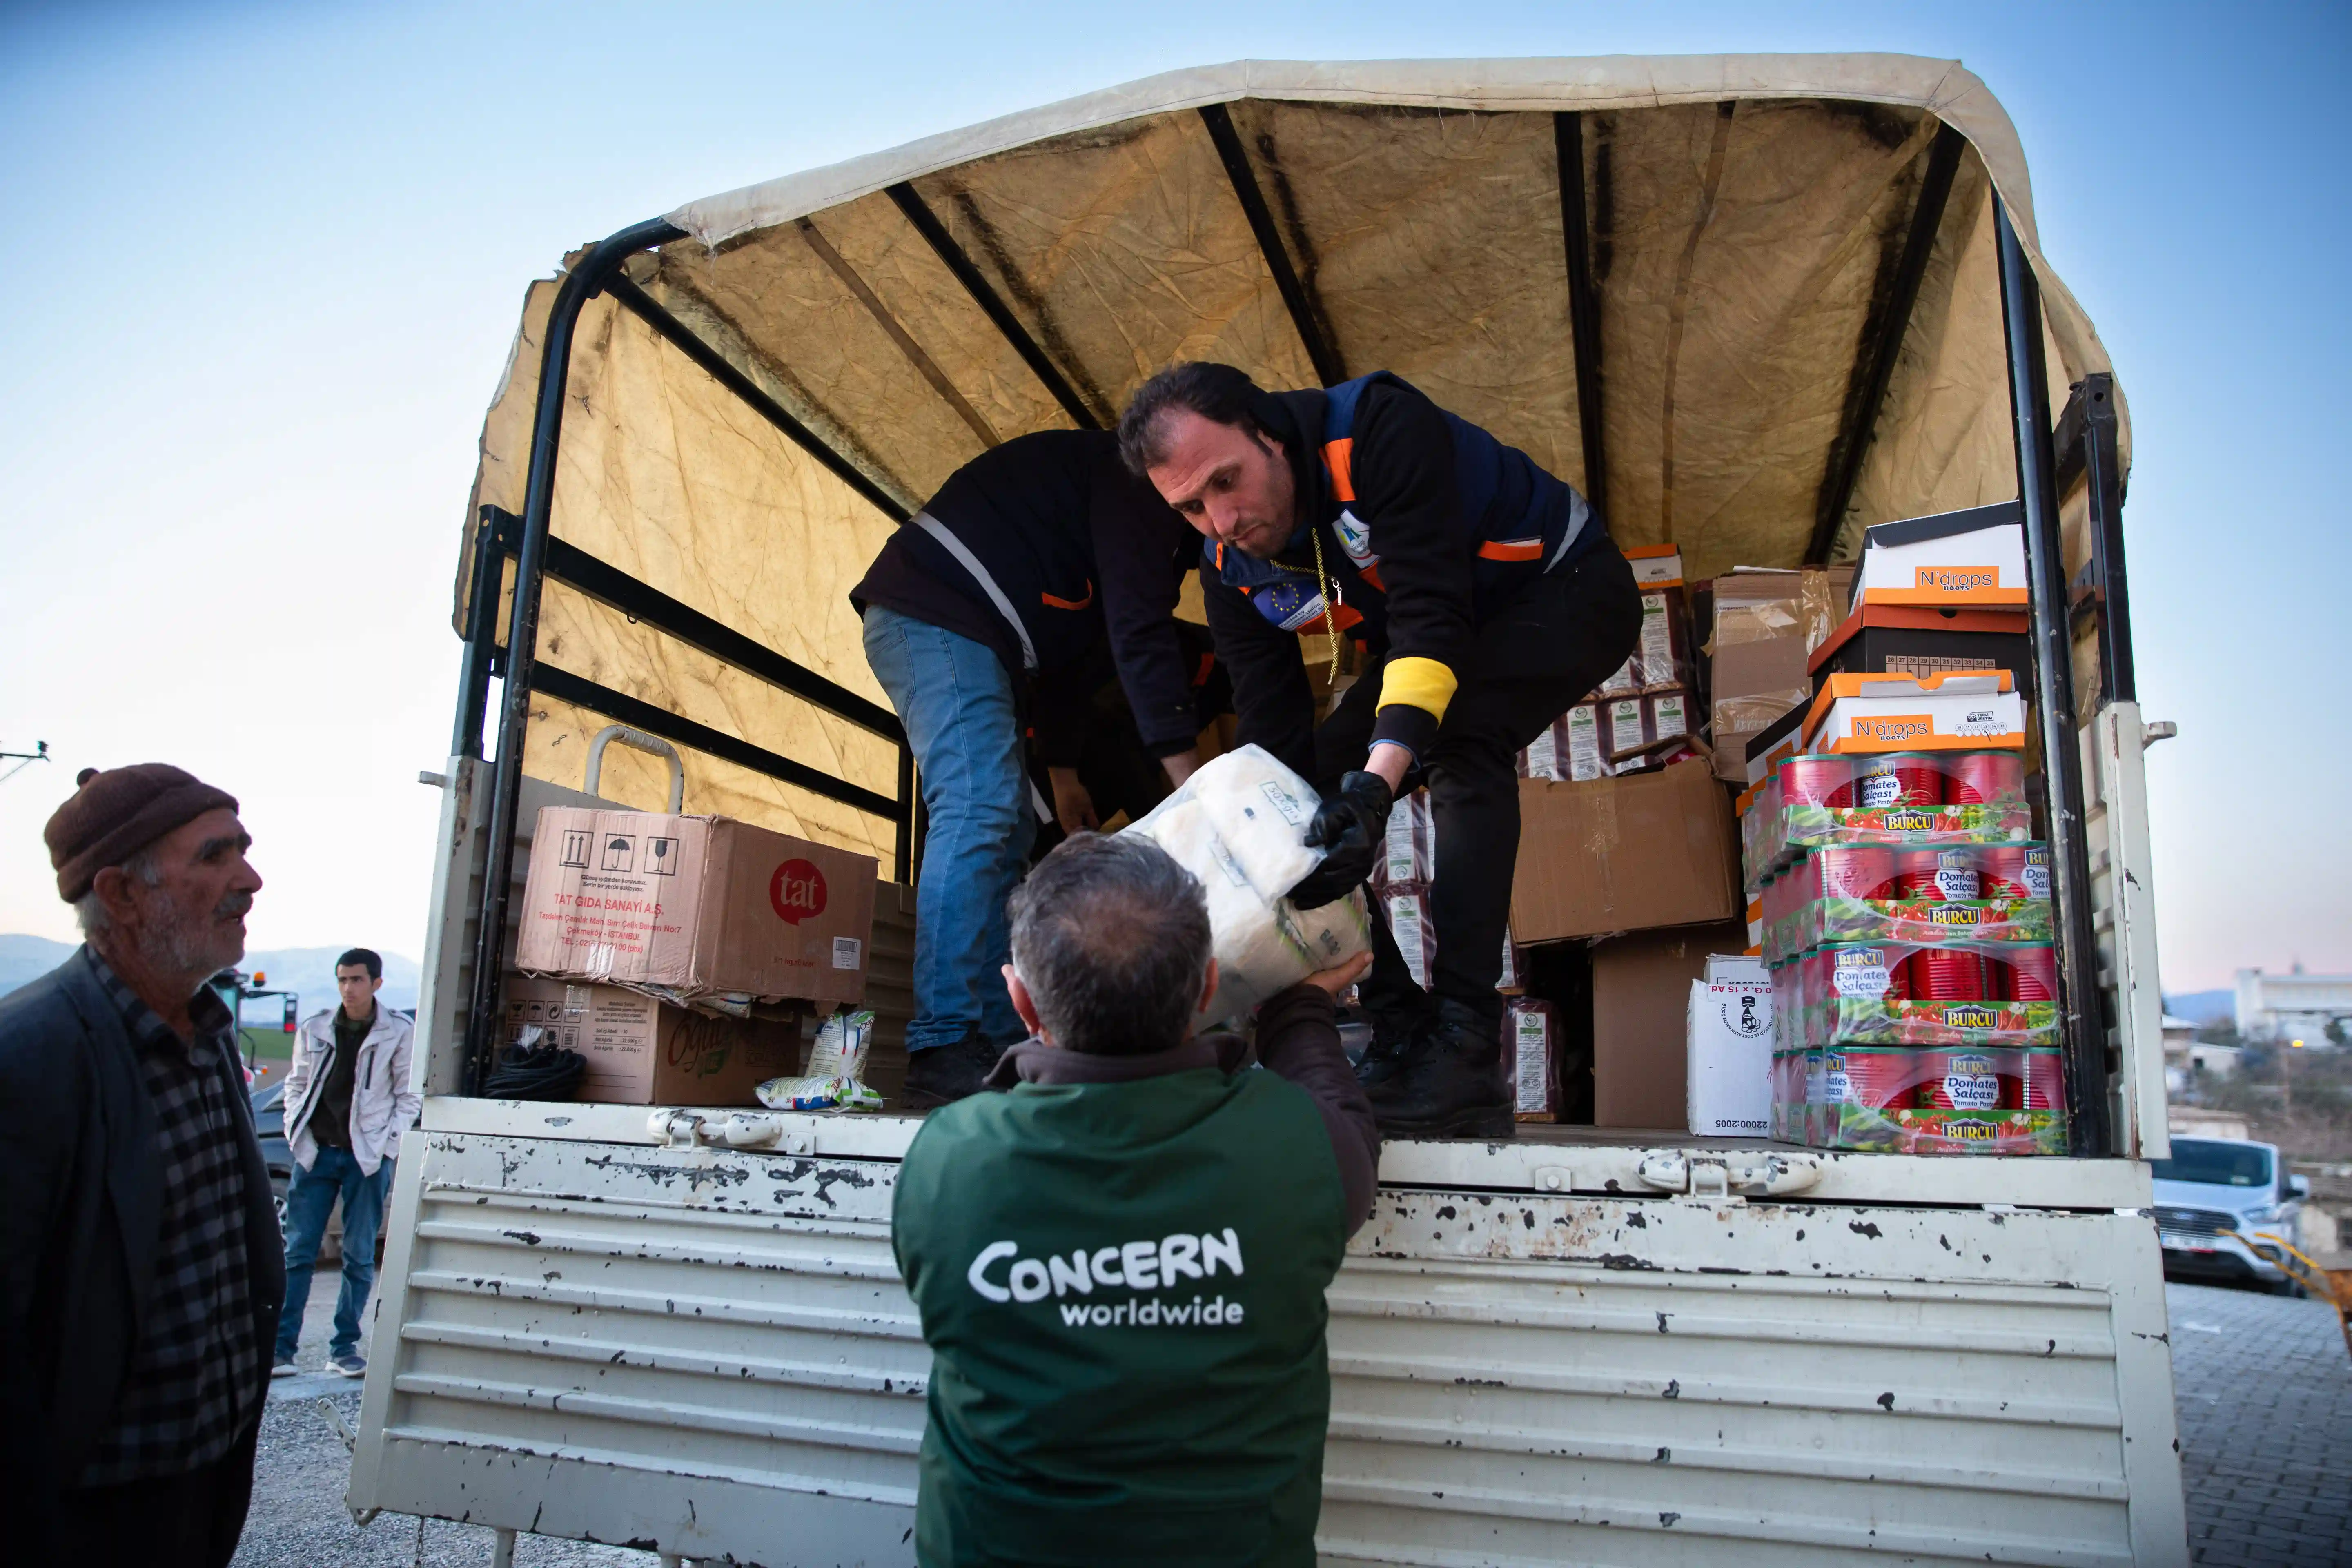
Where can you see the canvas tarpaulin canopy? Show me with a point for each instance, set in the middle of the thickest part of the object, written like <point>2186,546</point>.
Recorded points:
<point>1747,222</point>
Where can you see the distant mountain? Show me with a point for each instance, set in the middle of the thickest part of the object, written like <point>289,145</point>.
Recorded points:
<point>2197,1007</point>
<point>310,971</point>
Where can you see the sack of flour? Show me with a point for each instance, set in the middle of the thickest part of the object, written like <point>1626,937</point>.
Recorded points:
<point>1239,825</point>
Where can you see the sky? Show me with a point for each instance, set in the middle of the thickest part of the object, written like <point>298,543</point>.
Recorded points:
<point>273,257</point>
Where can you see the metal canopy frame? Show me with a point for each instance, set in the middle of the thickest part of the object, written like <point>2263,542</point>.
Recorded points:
<point>1304,316</point>
<point>1884,342</point>
<point>2087,438</point>
<point>1583,304</point>
<point>992,304</point>
<point>2089,1070</point>
<point>538,556</point>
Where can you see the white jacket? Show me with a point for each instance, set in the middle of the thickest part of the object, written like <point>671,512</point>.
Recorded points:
<point>383,1103</point>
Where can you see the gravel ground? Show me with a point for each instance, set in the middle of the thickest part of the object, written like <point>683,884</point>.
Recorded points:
<point>297,1518</point>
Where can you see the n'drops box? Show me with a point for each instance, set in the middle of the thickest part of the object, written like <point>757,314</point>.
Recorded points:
<point>694,906</point>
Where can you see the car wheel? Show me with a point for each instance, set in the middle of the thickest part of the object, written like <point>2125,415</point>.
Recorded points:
<point>278,1201</point>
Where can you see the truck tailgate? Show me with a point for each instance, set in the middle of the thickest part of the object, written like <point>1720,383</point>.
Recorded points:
<point>707,1351</point>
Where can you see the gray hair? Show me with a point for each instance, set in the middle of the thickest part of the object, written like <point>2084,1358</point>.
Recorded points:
<point>1111,937</point>
<point>90,909</point>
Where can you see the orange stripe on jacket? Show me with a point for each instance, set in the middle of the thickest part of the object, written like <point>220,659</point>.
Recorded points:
<point>1337,458</point>
<point>1062,603</point>
<point>1511,550</point>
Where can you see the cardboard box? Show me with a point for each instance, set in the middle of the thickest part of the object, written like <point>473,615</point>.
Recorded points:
<point>1972,557</point>
<point>1766,626</point>
<point>1966,711</point>
<point>1624,854</point>
<point>694,906</point>
<point>643,1052</point>
<point>1640,1006</point>
<point>1909,639</point>
<point>1730,1039</point>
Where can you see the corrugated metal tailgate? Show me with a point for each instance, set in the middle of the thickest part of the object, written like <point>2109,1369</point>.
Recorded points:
<point>1523,1380</point>
<point>697,1351</point>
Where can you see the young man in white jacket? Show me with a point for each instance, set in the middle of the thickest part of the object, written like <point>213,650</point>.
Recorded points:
<point>347,1101</point>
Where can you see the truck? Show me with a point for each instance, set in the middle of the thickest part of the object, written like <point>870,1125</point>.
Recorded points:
<point>1747,304</point>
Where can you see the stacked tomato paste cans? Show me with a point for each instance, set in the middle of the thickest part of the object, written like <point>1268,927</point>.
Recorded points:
<point>1907,924</point>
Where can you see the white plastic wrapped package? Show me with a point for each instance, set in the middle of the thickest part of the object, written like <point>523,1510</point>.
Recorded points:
<point>836,1071</point>
<point>1239,825</point>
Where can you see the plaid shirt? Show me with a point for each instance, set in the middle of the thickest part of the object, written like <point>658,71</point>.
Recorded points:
<point>196,1377</point>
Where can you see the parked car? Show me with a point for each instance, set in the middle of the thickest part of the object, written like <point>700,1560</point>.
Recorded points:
<point>2215,1185</point>
<point>270,1126</point>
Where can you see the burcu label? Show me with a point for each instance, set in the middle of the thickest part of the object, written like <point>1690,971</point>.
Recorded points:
<point>1970,1084</point>
<point>1861,972</point>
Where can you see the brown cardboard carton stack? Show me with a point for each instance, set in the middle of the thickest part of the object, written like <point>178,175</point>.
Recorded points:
<point>643,1052</point>
<point>1766,623</point>
<point>694,910</point>
<point>669,950</point>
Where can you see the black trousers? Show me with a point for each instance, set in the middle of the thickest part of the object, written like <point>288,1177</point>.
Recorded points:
<point>1539,656</point>
<point>190,1520</point>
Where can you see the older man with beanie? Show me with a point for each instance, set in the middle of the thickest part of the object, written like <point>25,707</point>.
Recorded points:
<point>140,1264</point>
<point>1119,1260</point>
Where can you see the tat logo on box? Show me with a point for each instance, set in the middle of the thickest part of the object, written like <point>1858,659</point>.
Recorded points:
<point>1955,579</point>
<point>796,892</point>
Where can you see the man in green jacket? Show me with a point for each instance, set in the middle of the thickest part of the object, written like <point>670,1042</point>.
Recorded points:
<point>1120,1259</point>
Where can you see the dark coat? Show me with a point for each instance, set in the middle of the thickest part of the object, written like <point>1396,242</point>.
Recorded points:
<point>81,1196</point>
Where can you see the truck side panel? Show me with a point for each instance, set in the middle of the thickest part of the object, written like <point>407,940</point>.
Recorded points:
<point>708,1352</point>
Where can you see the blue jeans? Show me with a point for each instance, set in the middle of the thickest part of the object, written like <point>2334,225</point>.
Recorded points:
<point>309,1198</point>
<point>956,699</point>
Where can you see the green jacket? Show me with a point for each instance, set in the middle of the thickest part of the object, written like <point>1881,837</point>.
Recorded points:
<point>1122,1287</point>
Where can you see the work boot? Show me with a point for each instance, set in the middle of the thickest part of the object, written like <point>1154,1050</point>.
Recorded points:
<point>1396,1031</point>
<point>1450,1081</point>
<point>941,1074</point>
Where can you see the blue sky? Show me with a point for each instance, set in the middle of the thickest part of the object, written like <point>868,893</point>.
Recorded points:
<point>269,260</point>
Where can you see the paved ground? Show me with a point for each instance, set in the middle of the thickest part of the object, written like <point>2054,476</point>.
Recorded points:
<point>2265,1388</point>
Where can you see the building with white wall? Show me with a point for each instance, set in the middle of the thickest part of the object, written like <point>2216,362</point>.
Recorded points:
<point>2293,1005</point>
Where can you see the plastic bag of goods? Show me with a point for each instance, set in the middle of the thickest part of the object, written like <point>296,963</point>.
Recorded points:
<point>836,1071</point>
<point>1239,825</point>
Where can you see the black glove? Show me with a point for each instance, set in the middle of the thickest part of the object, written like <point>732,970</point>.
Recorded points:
<point>1350,825</point>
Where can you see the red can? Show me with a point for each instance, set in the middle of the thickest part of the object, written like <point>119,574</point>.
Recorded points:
<point>1971,1081</point>
<point>1944,875</point>
<point>1948,975</point>
<point>1817,781</point>
<point>2042,1082</point>
<point>1985,778</point>
<point>2032,972</point>
<point>1855,871</point>
<point>2016,870</point>
<point>1862,974</point>
<point>1897,781</point>
<point>1877,1080</point>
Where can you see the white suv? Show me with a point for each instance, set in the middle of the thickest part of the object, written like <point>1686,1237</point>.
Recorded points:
<point>2216,1186</point>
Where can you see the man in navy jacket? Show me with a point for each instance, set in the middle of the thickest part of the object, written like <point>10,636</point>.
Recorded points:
<point>995,614</point>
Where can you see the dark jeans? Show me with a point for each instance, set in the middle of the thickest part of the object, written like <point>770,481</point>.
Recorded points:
<point>1536,658</point>
<point>309,1198</point>
<point>188,1521</point>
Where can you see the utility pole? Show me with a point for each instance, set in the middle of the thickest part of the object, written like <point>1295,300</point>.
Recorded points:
<point>40,753</point>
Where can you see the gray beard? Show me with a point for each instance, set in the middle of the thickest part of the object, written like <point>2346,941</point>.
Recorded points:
<point>173,944</point>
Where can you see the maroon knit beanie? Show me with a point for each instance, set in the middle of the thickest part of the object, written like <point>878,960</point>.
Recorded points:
<point>116,814</point>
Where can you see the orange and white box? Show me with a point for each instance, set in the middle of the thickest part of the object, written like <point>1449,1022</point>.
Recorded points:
<point>1956,711</point>
<point>1955,558</point>
<point>1655,565</point>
